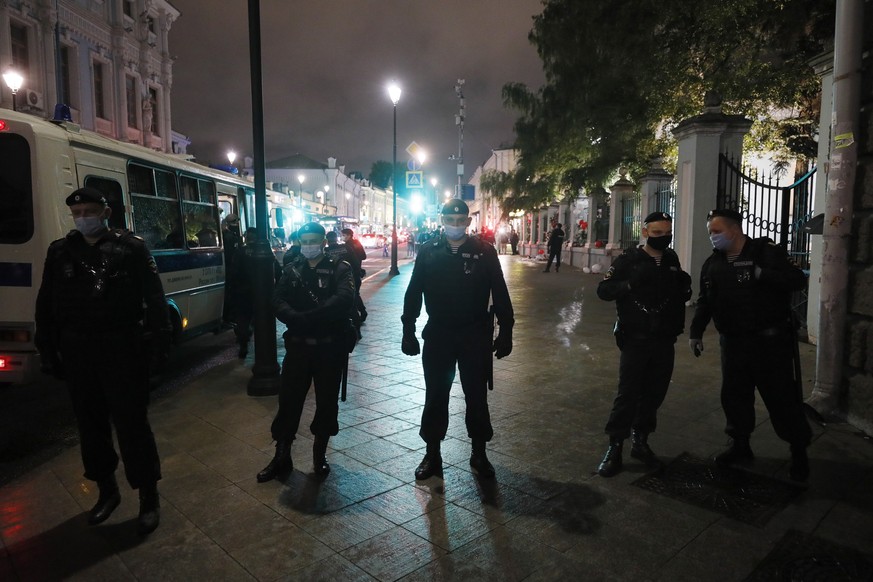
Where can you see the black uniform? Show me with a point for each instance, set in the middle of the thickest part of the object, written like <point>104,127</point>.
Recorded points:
<point>89,327</point>
<point>650,303</point>
<point>555,244</point>
<point>314,304</point>
<point>456,290</point>
<point>753,315</point>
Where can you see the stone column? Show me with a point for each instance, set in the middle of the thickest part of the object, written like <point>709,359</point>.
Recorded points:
<point>622,189</point>
<point>701,139</point>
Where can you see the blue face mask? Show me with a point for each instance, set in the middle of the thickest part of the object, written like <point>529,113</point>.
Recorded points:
<point>311,252</point>
<point>455,232</point>
<point>721,241</point>
<point>90,225</point>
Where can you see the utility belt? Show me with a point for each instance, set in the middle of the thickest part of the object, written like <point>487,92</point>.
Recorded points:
<point>774,331</point>
<point>311,341</point>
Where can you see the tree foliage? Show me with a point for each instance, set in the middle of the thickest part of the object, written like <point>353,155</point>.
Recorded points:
<point>620,74</point>
<point>380,174</point>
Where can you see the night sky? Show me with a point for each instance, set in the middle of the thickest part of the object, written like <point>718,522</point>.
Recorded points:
<point>326,65</point>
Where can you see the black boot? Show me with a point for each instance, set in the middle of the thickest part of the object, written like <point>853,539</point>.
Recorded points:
<point>739,452</point>
<point>611,463</point>
<point>319,456</point>
<point>280,465</point>
<point>641,450</point>
<point>479,461</point>
<point>799,470</point>
<point>243,350</point>
<point>149,509</point>
<point>107,501</point>
<point>432,464</point>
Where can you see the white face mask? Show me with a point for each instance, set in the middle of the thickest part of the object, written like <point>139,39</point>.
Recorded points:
<point>455,232</point>
<point>90,225</point>
<point>311,251</point>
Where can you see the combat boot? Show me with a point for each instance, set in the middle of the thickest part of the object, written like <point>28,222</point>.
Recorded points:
<point>739,452</point>
<point>479,461</point>
<point>107,501</point>
<point>432,464</point>
<point>799,470</point>
<point>641,450</point>
<point>280,465</point>
<point>611,463</point>
<point>319,456</point>
<point>149,509</point>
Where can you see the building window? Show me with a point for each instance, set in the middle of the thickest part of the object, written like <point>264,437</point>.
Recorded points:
<point>130,92</point>
<point>20,52</point>
<point>151,22</point>
<point>153,101</point>
<point>127,8</point>
<point>66,86</point>
<point>99,91</point>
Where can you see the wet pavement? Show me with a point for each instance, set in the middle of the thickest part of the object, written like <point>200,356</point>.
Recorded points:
<point>546,516</point>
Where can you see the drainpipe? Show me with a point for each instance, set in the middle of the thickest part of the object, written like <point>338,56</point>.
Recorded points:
<point>825,397</point>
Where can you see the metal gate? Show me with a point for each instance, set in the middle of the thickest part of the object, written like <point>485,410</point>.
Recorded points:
<point>771,210</point>
<point>665,197</point>
<point>630,220</point>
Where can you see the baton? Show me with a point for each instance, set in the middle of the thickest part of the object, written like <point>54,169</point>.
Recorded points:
<point>345,379</point>
<point>489,365</point>
<point>795,350</point>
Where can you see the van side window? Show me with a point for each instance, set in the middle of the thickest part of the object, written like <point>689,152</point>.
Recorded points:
<point>156,212</point>
<point>200,212</point>
<point>112,192</point>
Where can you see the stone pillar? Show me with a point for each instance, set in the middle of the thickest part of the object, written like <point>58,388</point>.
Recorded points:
<point>622,189</point>
<point>701,139</point>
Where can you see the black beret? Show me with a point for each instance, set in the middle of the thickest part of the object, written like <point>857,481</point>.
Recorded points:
<point>311,228</point>
<point>656,216</point>
<point>455,206</point>
<point>725,213</point>
<point>85,195</point>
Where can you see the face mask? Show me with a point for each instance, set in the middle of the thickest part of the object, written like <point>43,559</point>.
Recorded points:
<point>90,225</point>
<point>455,232</point>
<point>721,241</point>
<point>310,251</point>
<point>660,243</point>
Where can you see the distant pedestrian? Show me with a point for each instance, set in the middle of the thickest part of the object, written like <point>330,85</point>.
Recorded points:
<point>456,275</point>
<point>359,255</point>
<point>98,287</point>
<point>313,299</point>
<point>232,242</point>
<point>513,241</point>
<point>293,250</point>
<point>745,288</point>
<point>555,244</point>
<point>410,245</point>
<point>650,289</point>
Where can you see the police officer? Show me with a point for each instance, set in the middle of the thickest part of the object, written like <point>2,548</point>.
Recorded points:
<point>233,245</point>
<point>555,244</point>
<point>90,325</point>
<point>313,299</point>
<point>358,256</point>
<point>650,289</point>
<point>457,275</point>
<point>745,288</point>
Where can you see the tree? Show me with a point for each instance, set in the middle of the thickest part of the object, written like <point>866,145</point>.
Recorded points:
<point>620,74</point>
<point>380,174</point>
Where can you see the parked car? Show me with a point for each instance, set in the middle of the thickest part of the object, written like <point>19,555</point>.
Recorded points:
<point>372,241</point>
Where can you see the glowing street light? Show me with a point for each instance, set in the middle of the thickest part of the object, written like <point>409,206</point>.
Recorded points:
<point>394,95</point>
<point>231,156</point>
<point>13,80</point>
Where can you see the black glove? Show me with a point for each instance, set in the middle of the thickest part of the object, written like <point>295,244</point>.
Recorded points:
<point>291,318</point>
<point>643,274</point>
<point>159,350</point>
<point>51,365</point>
<point>409,345</point>
<point>503,343</point>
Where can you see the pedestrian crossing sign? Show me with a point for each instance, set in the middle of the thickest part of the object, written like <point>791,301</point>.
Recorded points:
<point>414,179</point>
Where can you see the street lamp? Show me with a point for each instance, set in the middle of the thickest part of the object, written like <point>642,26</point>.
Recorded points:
<point>394,94</point>
<point>13,80</point>
<point>231,157</point>
<point>300,178</point>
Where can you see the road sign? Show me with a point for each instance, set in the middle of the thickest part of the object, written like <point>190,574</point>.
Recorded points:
<point>413,165</point>
<point>413,150</point>
<point>413,179</point>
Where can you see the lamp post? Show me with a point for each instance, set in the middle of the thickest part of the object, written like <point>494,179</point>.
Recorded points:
<point>13,80</point>
<point>300,178</point>
<point>394,94</point>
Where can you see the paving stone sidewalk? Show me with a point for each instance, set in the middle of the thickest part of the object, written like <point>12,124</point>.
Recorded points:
<point>545,517</point>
